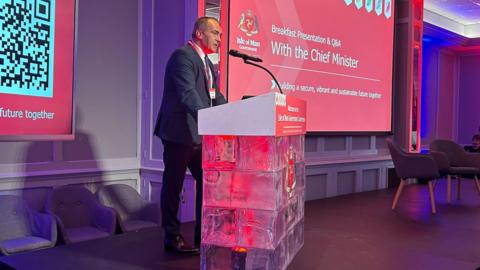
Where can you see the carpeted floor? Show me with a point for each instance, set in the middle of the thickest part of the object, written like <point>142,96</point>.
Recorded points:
<point>356,231</point>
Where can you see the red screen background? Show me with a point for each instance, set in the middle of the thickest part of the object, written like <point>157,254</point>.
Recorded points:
<point>363,35</point>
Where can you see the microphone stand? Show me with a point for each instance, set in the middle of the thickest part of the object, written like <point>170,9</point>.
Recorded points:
<point>268,71</point>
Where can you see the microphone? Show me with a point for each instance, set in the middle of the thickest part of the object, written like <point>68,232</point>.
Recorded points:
<point>245,57</point>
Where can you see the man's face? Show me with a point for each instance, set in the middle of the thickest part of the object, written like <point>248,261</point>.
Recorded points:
<point>476,144</point>
<point>210,37</point>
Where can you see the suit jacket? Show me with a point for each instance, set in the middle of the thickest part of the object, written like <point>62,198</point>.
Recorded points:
<point>185,92</point>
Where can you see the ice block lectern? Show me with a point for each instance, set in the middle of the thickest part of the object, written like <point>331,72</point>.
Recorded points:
<point>253,182</point>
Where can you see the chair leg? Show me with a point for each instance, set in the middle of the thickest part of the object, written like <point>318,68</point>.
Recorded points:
<point>435,182</point>
<point>432,197</point>
<point>458,187</point>
<point>449,188</point>
<point>477,184</point>
<point>397,194</point>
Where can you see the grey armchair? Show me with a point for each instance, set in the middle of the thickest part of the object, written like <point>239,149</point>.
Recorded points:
<point>457,163</point>
<point>23,229</point>
<point>79,215</point>
<point>413,165</point>
<point>133,212</point>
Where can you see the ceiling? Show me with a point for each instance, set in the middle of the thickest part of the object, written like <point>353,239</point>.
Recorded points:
<point>459,16</point>
<point>466,12</point>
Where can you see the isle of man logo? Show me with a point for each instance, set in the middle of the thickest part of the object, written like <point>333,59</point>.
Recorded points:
<point>248,23</point>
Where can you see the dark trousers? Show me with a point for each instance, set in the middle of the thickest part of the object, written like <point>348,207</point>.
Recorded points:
<point>177,158</point>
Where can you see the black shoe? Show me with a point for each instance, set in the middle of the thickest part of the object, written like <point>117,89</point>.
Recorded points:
<point>177,244</point>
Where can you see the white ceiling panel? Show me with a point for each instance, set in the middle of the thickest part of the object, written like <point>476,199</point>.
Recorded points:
<point>459,16</point>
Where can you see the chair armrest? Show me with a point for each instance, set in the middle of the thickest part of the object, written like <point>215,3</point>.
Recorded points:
<point>442,161</point>
<point>44,226</point>
<point>151,212</point>
<point>413,165</point>
<point>472,159</point>
<point>104,218</point>
<point>61,226</point>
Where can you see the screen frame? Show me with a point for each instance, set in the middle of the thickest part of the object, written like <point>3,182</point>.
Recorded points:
<point>225,20</point>
<point>56,137</point>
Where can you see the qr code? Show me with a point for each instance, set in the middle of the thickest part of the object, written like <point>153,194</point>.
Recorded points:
<point>27,47</point>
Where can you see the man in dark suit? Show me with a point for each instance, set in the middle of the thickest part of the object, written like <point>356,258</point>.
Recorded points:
<point>189,86</point>
<point>475,147</point>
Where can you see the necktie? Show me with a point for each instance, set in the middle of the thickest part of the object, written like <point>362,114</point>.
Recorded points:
<point>211,90</point>
<point>208,72</point>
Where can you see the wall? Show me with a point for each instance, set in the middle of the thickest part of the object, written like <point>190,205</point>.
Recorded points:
<point>106,90</point>
<point>429,106</point>
<point>338,165</point>
<point>439,94</point>
<point>469,96</point>
<point>449,91</point>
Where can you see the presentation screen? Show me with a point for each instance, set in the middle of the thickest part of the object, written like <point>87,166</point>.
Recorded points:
<point>335,54</point>
<point>36,69</point>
